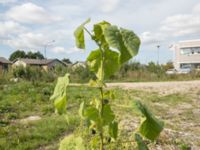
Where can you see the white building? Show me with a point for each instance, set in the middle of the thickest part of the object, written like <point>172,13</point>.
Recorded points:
<point>187,53</point>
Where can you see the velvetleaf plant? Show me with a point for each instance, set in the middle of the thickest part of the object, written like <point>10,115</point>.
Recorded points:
<point>115,46</point>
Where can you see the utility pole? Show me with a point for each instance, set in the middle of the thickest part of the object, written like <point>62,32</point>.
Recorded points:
<point>45,47</point>
<point>158,55</point>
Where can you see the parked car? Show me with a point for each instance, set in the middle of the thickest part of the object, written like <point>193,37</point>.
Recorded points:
<point>171,71</point>
<point>184,70</point>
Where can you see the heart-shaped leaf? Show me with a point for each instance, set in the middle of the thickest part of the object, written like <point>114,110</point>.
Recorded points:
<point>79,35</point>
<point>59,95</point>
<point>113,130</point>
<point>111,64</point>
<point>126,41</point>
<point>150,126</point>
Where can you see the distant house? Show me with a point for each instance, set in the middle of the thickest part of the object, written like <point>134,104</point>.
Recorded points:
<point>46,64</point>
<point>79,64</point>
<point>67,64</point>
<point>4,64</point>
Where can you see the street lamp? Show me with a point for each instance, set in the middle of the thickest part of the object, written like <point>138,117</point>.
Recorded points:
<point>45,47</point>
<point>158,47</point>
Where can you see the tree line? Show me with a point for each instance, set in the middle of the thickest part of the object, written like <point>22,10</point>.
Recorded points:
<point>31,55</point>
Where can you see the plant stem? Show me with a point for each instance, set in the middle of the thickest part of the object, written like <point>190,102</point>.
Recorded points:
<point>101,114</point>
<point>102,97</point>
<point>121,142</point>
<point>101,89</point>
<point>88,32</point>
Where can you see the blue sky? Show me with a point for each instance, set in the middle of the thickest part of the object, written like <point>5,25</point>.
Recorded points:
<point>30,24</point>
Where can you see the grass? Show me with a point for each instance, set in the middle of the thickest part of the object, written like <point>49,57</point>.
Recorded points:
<point>20,136</point>
<point>21,100</point>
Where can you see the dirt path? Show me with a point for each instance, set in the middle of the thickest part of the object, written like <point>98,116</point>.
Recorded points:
<point>161,87</point>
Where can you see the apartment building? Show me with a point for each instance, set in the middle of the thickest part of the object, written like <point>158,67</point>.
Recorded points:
<point>187,54</point>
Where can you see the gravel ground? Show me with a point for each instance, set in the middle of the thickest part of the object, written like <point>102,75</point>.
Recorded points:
<point>161,87</point>
<point>182,119</point>
<point>184,116</point>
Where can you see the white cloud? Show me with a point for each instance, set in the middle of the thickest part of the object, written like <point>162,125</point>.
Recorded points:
<point>62,50</point>
<point>151,38</point>
<point>59,50</point>
<point>8,28</point>
<point>180,25</point>
<point>7,1</point>
<point>27,41</point>
<point>30,13</point>
<point>196,8</point>
<point>108,5</point>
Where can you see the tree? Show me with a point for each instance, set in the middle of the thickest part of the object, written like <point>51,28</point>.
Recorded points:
<point>30,55</point>
<point>168,65</point>
<point>152,67</point>
<point>22,54</point>
<point>36,55</point>
<point>17,54</point>
<point>67,60</point>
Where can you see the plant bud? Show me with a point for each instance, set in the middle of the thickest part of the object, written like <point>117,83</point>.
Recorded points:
<point>93,131</point>
<point>105,101</point>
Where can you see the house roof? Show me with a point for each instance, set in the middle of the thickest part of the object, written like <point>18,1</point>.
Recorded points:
<point>38,61</point>
<point>80,62</point>
<point>4,60</point>
<point>67,64</point>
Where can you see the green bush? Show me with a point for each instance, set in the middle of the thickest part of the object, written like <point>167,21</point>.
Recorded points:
<point>28,73</point>
<point>34,74</point>
<point>19,72</point>
<point>5,77</point>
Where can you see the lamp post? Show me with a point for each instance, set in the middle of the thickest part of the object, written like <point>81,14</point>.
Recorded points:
<point>45,47</point>
<point>158,47</point>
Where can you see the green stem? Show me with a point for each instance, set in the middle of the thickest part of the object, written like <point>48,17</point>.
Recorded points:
<point>102,96</point>
<point>88,32</point>
<point>92,37</point>
<point>101,89</point>
<point>101,114</point>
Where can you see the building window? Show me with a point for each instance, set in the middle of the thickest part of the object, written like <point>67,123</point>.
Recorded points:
<point>190,51</point>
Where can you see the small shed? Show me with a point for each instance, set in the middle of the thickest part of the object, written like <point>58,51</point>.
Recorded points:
<point>4,64</point>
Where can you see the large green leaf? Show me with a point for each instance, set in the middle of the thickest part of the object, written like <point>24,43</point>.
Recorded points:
<point>108,115</point>
<point>126,41</point>
<point>91,113</point>
<point>140,143</point>
<point>81,110</point>
<point>72,143</point>
<point>111,64</point>
<point>113,130</point>
<point>99,29</point>
<point>60,104</point>
<point>79,35</point>
<point>150,126</point>
<point>59,95</point>
<point>61,87</point>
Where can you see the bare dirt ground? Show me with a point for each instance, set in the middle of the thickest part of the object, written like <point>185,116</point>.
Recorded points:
<point>183,119</point>
<point>161,87</point>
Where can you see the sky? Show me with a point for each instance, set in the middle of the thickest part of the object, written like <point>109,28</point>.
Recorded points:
<point>31,24</point>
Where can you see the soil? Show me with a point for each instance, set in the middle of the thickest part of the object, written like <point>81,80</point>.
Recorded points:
<point>164,88</point>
